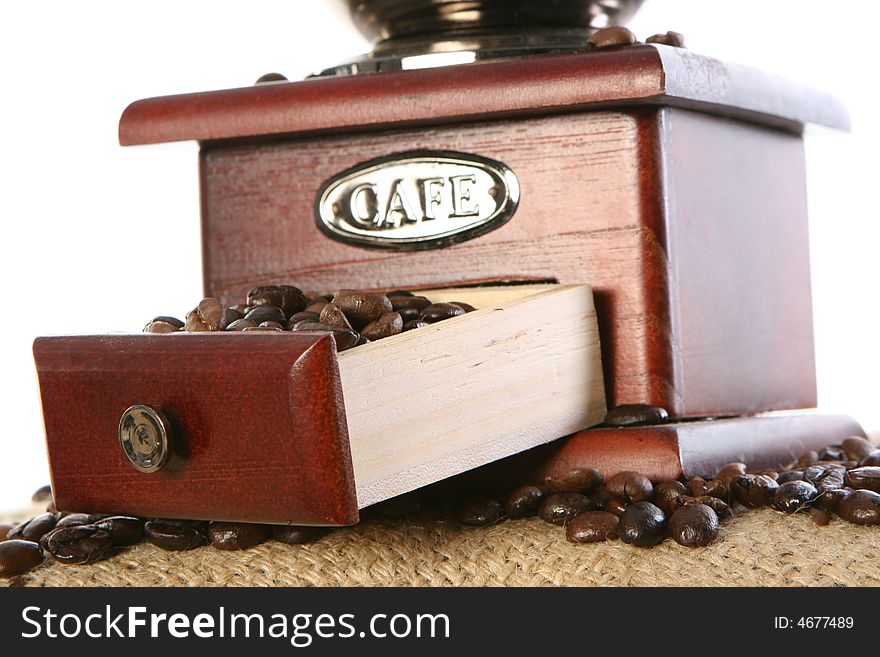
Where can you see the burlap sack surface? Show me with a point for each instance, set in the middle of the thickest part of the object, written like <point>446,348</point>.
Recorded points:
<point>756,548</point>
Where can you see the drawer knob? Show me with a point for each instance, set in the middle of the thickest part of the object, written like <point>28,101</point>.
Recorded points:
<point>143,435</point>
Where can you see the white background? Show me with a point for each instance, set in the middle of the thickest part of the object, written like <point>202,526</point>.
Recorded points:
<point>97,238</point>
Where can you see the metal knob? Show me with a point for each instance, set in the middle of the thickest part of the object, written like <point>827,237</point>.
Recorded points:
<point>143,435</point>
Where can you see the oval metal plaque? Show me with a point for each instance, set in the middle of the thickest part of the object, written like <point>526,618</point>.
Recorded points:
<point>417,200</point>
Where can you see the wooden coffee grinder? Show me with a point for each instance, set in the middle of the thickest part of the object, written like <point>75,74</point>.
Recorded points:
<point>487,143</point>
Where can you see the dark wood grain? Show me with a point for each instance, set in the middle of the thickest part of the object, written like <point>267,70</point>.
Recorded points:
<point>699,264</point>
<point>551,83</point>
<point>258,426</point>
<point>668,451</point>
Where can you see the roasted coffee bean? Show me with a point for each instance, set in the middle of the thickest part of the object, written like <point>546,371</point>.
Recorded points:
<point>857,448</point>
<point>160,327</point>
<point>408,314</point>
<point>791,475</point>
<point>241,308</point>
<point>610,37</point>
<point>76,519</point>
<point>642,525</point>
<point>236,535</point>
<point>719,506</point>
<point>333,315</point>
<point>387,325</point>
<point>175,535</point>
<point>195,322</point>
<point>769,473</point>
<point>820,516</point>
<point>266,313</point>
<point>831,499</point>
<point>793,496</point>
<point>524,501</point>
<point>42,494</point>
<point>268,78</point>
<point>316,307</point>
<point>871,459</point>
<point>674,39</point>
<point>825,477</point>
<point>415,324</point>
<point>17,557</point>
<point>176,323</point>
<point>699,487</point>
<point>866,477</point>
<point>614,504</point>
<point>561,507</point>
<point>579,480</point>
<point>82,544</point>
<point>34,529</point>
<point>437,312</point>
<point>288,298</point>
<point>730,472</point>
<point>399,293</point>
<point>295,535</point>
<point>832,453</point>
<point>478,512</point>
<point>344,339</point>
<point>210,311</point>
<point>271,325</point>
<point>265,327</point>
<point>693,525</point>
<point>631,415</point>
<point>807,459</point>
<point>241,325</point>
<point>361,308</point>
<point>399,303</point>
<point>753,491</point>
<point>304,316</point>
<point>468,308</point>
<point>362,340</point>
<point>862,507</point>
<point>666,492</point>
<point>631,486</point>
<point>123,530</point>
<point>4,530</point>
<point>592,527</point>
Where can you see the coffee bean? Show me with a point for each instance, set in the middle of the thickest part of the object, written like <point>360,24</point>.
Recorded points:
<point>820,517</point>
<point>409,303</point>
<point>769,473</point>
<point>674,39</point>
<point>4,530</point>
<point>305,316</point>
<point>862,507</point>
<point>399,293</point>
<point>791,475</point>
<point>468,308</point>
<point>210,311</point>
<point>287,298</point>
<point>831,499</point>
<point>642,525</point>
<point>832,453</point>
<point>807,459</point>
<point>175,535</point>
<point>316,307</point>
<point>241,308</point>
<point>17,556</point>
<point>387,325</point>
<point>268,78</point>
<point>631,415</point>
<point>578,480</point>
<point>592,527</point>
<point>344,339</point>
<point>613,504</point>
<point>236,535</point>
<point>871,459</point>
<point>78,545</point>
<point>857,448</point>
<point>76,519</point>
<point>266,313</point>
<point>160,327</point>
<point>271,325</point>
<point>478,512</point>
<point>825,477</point>
<point>123,530</point>
<point>666,492</point>
<point>866,477</point>
<point>294,535</point>
<point>730,471</point>
<point>362,340</point>
<point>167,319</point>
<point>42,494</point>
<point>361,308</point>
<point>265,327</point>
<point>34,529</point>
<point>561,507</point>
<point>416,324</point>
<point>437,312</point>
<point>720,507</point>
<point>333,315</point>
<point>699,487</point>
<point>694,525</point>
<point>241,325</point>
<point>524,501</point>
<point>631,486</point>
<point>408,315</point>
<point>610,37</point>
<point>753,491</point>
<point>793,496</point>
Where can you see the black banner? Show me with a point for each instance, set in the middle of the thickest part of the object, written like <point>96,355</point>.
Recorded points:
<point>433,621</point>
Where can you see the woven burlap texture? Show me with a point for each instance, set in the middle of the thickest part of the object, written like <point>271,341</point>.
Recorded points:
<point>756,548</point>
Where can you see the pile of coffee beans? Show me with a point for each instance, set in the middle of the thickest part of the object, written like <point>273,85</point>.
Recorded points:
<point>841,480</point>
<point>352,317</point>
